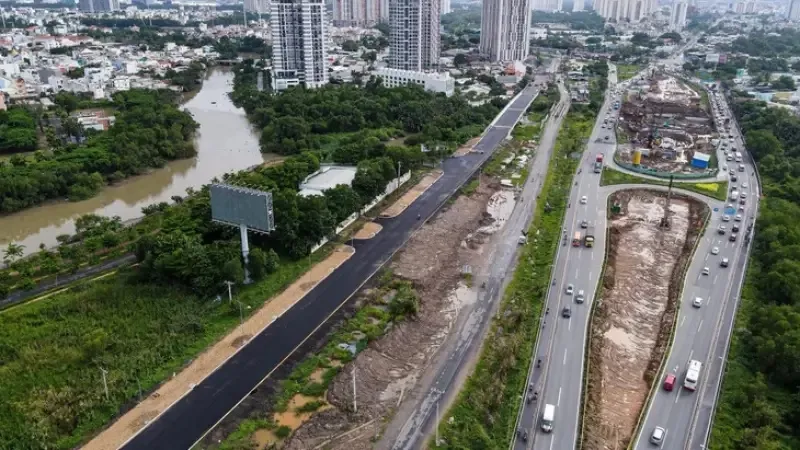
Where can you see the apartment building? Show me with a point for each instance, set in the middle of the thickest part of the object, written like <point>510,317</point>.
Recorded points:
<point>360,13</point>
<point>505,29</point>
<point>414,41</point>
<point>299,41</point>
<point>97,6</point>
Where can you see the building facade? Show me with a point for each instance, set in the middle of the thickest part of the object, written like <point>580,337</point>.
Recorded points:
<point>360,13</point>
<point>794,10</point>
<point>257,6</point>
<point>299,41</point>
<point>434,82</point>
<point>505,29</point>
<point>414,36</point>
<point>97,6</point>
<point>677,18</point>
<point>577,5</point>
<point>625,10</point>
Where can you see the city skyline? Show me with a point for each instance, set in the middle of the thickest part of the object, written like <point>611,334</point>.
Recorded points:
<point>505,32</point>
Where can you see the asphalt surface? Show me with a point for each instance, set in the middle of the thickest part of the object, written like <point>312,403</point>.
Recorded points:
<point>472,324</point>
<point>703,333</point>
<point>206,404</point>
<point>558,381</point>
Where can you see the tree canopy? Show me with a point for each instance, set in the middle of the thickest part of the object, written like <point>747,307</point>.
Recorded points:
<point>17,130</point>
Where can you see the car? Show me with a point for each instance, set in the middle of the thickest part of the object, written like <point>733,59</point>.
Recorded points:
<point>706,270</point>
<point>743,201</point>
<point>743,196</point>
<point>603,126</point>
<point>744,185</point>
<point>731,171</point>
<point>566,313</point>
<point>669,381</point>
<point>715,250</point>
<point>697,302</point>
<point>741,209</point>
<point>732,237</point>
<point>735,228</point>
<point>726,218</point>
<point>734,179</point>
<point>724,262</point>
<point>580,297</point>
<point>570,289</point>
<point>584,199</point>
<point>722,229</point>
<point>738,218</point>
<point>606,137</point>
<point>657,436</point>
<point>584,224</point>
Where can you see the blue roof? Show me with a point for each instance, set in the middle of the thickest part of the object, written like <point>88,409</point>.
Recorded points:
<point>702,157</point>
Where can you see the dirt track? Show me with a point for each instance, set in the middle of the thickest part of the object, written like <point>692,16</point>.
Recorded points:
<point>388,369</point>
<point>635,310</point>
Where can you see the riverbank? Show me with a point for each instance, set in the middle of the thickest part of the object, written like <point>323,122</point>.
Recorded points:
<point>225,142</point>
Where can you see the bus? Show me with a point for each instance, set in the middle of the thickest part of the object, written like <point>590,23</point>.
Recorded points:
<point>692,375</point>
<point>576,239</point>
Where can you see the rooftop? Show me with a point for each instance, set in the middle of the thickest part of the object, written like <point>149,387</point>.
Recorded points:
<point>327,177</point>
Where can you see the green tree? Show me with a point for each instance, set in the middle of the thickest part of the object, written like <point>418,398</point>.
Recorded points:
<point>13,252</point>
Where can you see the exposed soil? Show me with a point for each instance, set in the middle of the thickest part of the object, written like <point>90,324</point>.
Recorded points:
<point>368,231</point>
<point>466,148</point>
<point>387,371</point>
<point>123,428</point>
<point>408,198</point>
<point>635,311</point>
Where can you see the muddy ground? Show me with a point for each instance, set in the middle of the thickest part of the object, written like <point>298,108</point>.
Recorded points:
<point>636,309</point>
<point>388,369</point>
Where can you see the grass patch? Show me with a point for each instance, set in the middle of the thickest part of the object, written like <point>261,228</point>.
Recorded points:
<point>141,333</point>
<point>717,191</point>
<point>484,414</point>
<point>470,187</point>
<point>242,437</point>
<point>627,71</point>
<point>394,300</point>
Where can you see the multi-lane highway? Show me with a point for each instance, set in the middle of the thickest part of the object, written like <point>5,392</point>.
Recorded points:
<point>204,405</point>
<point>703,333</point>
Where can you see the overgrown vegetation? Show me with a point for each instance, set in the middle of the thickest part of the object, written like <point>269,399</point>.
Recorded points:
<point>760,406</point>
<point>394,300</point>
<point>149,131</point>
<point>17,131</point>
<point>627,71</point>
<point>715,190</point>
<point>485,411</point>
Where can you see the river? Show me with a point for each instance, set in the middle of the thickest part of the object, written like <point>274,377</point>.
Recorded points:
<point>225,142</point>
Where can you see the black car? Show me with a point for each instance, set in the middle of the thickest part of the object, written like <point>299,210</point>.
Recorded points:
<point>735,228</point>
<point>566,313</point>
<point>732,238</point>
<point>733,178</point>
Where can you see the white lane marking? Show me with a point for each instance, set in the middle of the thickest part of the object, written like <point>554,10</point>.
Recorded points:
<point>592,256</point>
<point>682,320</point>
<point>690,355</point>
<point>664,440</point>
<point>558,403</point>
<point>565,356</point>
<point>678,396</point>
<point>715,278</point>
<point>577,272</point>
<point>569,324</point>
<point>706,257</point>
<point>590,274</point>
<point>700,326</point>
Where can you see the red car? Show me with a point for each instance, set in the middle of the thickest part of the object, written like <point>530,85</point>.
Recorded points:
<point>669,382</point>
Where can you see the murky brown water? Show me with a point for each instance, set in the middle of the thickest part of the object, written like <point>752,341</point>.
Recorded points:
<point>225,142</point>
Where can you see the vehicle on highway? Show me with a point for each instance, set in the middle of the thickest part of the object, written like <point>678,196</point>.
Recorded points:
<point>735,228</point>
<point>722,229</point>
<point>726,218</point>
<point>724,262</point>
<point>744,185</point>
<point>733,178</point>
<point>522,240</point>
<point>584,224</point>
<point>692,375</point>
<point>606,137</point>
<point>584,200</point>
<point>742,201</point>
<point>715,250</point>
<point>741,167</point>
<point>570,289</point>
<point>576,239</point>
<point>734,195</point>
<point>732,237</point>
<point>566,312</point>
<point>657,437</point>
<point>669,382</point>
<point>588,240</point>
<point>738,218</point>
<point>548,416</point>
<point>697,302</point>
<point>580,297</point>
<point>706,270</point>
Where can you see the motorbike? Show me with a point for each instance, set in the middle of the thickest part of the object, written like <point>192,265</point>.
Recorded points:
<point>538,363</point>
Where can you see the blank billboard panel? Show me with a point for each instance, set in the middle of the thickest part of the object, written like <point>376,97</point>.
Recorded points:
<point>234,205</point>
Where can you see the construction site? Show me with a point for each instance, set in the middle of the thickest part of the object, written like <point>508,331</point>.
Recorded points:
<point>665,126</point>
<point>648,252</point>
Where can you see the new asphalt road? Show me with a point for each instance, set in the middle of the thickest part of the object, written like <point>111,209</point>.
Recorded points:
<point>703,334</point>
<point>473,322</point>
<point>203,406</point>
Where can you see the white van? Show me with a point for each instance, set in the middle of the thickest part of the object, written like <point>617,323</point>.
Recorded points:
<point>548,416</point>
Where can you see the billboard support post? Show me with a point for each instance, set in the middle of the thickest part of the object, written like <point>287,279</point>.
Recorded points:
<point>245,252</point>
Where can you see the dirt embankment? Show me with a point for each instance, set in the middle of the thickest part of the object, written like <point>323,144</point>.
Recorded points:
<point>636,309</point>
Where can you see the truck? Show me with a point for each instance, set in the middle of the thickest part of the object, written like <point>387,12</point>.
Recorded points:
<point>734,195</point>
<point>576,239</point>
<point>588,240</point>
<point>692,375</point>
<point>738,157</point>
<point>598,163</point>
<point>548,416</point>
<point>598,158</point>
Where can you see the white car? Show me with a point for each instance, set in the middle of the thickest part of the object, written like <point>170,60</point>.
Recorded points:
<point>697,302</point>
<point>715,251</point>
<point>570,289</point>
<point>706,270</point>
<point>744,185</point>
<point>726,218</point>
<point>658,436</point>
<point>584,200</point>
<point>738,218</point>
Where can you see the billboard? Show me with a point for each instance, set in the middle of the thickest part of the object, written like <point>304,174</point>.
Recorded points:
<point>234,205</point>
<point>712,58</point>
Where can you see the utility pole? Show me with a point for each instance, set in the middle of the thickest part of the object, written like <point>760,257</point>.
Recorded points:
<point>355,405</point>
<point>241,314</point>
<point>230,296</point>
<point>105,383</point>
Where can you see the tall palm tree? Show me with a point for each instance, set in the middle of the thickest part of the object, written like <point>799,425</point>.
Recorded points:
<point>13,252</point>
